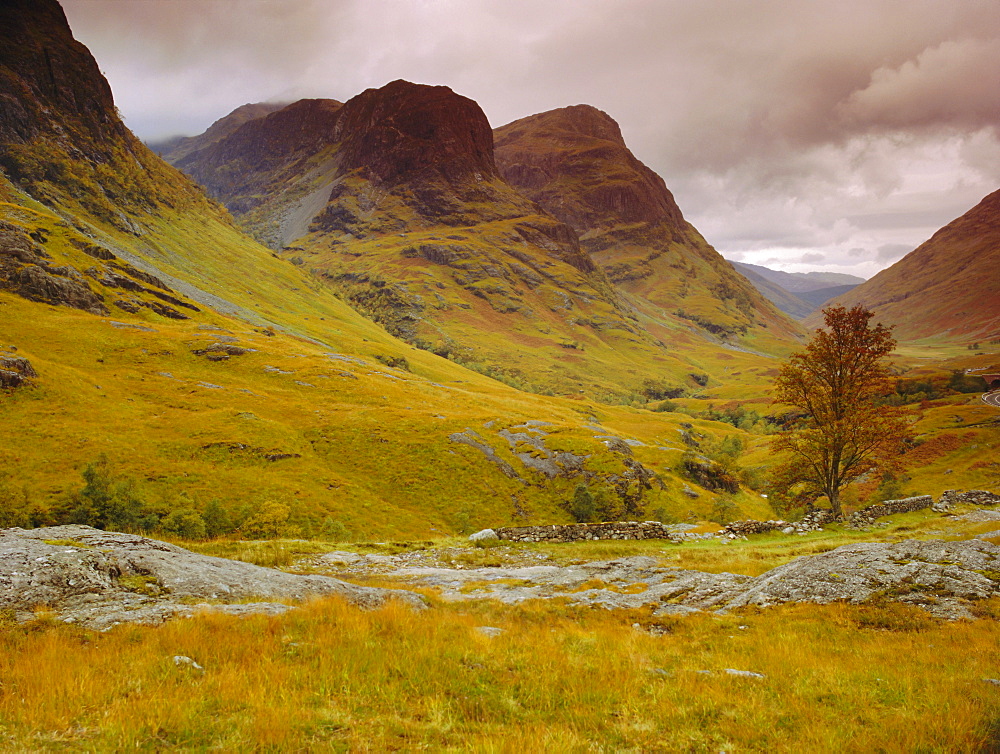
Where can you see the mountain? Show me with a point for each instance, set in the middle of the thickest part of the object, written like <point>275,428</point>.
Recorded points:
<point>801,282</point>
<point>812,289</point>
<point>199,380</point>
<point>397,198</point>
<point>820,296</point>
<point>574,162</point>
<point>948,287</point>
<point>792,305</point>
<point>179,147</point>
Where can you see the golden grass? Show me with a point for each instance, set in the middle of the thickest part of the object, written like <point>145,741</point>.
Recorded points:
<point>330,677</point>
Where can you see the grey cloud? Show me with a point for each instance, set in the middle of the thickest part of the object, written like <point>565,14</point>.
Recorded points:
<point>892,251</point>
<point>813,258</point>
<point>944,85</point>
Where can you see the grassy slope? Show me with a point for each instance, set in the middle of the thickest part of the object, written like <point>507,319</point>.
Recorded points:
<point>373,440</point>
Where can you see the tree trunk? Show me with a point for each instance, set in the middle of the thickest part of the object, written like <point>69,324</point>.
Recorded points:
<point>834,496</point>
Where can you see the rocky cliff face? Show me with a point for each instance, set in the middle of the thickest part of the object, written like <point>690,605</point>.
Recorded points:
<point>46,75</point>
<point>397,199</point>
<point>947,287</point>
<point>61,139</point>
<point>574,162</point>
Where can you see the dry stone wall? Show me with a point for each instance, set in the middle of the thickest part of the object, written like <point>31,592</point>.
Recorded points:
<point>576,532</point>
<point>870,514</point>
<point>951,498</point>
<point>812,521</point>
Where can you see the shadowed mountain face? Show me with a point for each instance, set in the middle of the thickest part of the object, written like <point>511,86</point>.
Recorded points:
<point>48,74</point>
<point>575,164</point>
<point>179,147</point>
<point>948,287</point>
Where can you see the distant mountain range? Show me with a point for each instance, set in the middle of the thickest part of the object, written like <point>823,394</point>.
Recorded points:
<point>797,294</point>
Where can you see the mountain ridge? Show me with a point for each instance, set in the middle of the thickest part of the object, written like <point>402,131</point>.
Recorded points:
<point>402,203</point>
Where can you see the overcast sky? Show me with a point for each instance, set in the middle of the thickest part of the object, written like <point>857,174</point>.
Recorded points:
<point>798,134</point>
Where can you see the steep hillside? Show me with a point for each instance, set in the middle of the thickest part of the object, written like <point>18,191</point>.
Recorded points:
<point>200,378</point>
<point>179,147</point>
<point>396,198</point>
<point>948,287</point>
<point>575,164</point>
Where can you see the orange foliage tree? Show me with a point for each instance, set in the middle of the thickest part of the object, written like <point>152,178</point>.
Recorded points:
<point>836,382</point>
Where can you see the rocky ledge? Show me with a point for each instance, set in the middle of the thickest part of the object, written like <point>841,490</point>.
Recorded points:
<point>99,579</point>
<point>943,578</point>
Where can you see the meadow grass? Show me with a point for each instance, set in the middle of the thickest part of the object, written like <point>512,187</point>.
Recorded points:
<point>332,677</point>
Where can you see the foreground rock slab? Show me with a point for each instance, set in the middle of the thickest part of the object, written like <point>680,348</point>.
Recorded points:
<point>943,578</point>
<point>98,579</point>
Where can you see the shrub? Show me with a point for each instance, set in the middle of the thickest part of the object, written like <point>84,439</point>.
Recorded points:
<point>582,506</point>
<point>269,521</point>
<point>184,522</point>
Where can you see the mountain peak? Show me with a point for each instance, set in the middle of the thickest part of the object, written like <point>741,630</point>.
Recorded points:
<point>574,162</point>
<point>585,120</point>
<point>403,130</point>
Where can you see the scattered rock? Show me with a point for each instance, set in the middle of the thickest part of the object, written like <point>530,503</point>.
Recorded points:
<point>183,661</point>
<point>220,351</point>
<point>130,326</point>
<point>490,631</point>
<point>744,673</point>
<point>484,535</point>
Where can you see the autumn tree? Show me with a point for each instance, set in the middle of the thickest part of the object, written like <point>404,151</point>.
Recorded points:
<point>845,432</point>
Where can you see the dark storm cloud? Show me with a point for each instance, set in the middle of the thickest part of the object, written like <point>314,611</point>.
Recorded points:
<point>786,129</point>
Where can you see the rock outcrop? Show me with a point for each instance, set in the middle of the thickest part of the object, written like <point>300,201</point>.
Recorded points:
<point>27,270</point>
<point>943,578</point>
<point>98,579</point>
<point>15,371</point>
<point>940,577</point>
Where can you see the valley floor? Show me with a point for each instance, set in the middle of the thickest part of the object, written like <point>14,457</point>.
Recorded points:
<point>542,675</point>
